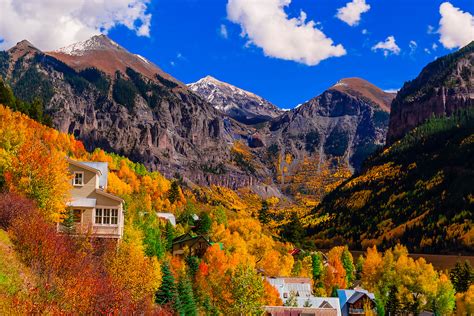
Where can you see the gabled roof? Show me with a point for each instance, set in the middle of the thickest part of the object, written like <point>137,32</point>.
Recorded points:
<point>103,167</point>
<point>110,196</point>
<point>82,165</point>
<point>187,237</point>
<point>357,296</point>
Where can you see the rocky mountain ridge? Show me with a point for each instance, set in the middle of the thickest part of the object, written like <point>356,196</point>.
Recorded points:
<point>442,87</point>
<point>243,106</point>
<point>116,100</point>
<point>147,116</point>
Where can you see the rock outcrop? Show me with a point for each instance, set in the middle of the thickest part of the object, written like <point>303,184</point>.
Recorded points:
<point>443,87</point>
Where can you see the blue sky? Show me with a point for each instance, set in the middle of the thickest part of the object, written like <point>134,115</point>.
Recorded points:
<point>184,38</point>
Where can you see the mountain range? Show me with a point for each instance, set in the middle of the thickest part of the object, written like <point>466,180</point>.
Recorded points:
<point>209,132</point>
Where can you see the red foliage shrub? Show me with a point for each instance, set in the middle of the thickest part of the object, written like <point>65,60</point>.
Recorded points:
<point>70,271</point>
<point>11,205</point>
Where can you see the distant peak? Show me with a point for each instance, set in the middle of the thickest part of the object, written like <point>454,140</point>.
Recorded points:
<point>360,87</point>
<point>96,42</point>
<point>24,45</point>
<point>352,82</point>
<point>209,78</point>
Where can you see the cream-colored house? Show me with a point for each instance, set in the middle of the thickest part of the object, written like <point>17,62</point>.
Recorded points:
<point>95,211</point>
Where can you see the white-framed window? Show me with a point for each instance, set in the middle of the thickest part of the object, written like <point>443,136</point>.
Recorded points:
<point>106,216</point>
<point>78,179</point>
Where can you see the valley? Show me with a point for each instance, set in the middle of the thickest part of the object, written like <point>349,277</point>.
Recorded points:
<point>222,194</point>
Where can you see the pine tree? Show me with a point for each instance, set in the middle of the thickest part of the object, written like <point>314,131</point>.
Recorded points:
<point>193,265</point>
<point>68,222</point>
<point>186,297</point>
<point>173,193</point>
<point>348,264</point>
<point>169,232</point>
<point>462,276</point>
<point>167,292</point>
<point>263,216</point>
<point>317,270</point>
<point>205,224</point>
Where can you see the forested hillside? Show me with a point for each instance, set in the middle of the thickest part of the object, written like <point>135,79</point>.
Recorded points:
<point>419,191</point>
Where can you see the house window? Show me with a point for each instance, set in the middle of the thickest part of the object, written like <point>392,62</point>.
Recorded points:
<point>98,216</point>
<point>78,179</point>
<point>77,216</point>
<point>106,216</point>
<point>114,217</point>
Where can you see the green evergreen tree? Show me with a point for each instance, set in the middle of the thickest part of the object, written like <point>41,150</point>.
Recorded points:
<point>68,222</point>
<point>462,276</point>
<point>186,297</point>
<point>263,215</point>
<point>205,224</point>
<point>153,242</point>
<point>348,264</point>
<point>317,269</point>
<point>169,234</point>
<point>220,215</point>
<point>359,266</point>
<point>193,265</point>
<point>166,294</point>
<point>293,231</point>
<point>173,193</point>
<point>36,110</point>
<point>6,95</point>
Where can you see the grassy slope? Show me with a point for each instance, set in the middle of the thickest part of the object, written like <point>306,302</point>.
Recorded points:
<point>419,192</point>
<point>15,279</point>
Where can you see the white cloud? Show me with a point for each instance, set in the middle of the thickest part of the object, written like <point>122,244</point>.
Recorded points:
<point>413,45</point>
<point>427,51</point>
<point>50,24</point>
<point>430,29</point>
<point>391,90</point>
<point>388,47</point>
<point>223,31</point>
<point>434,46</point>
<point>352,11</point>
<point>265,24</point>
<point>364,31</point>
<point>456,28</point>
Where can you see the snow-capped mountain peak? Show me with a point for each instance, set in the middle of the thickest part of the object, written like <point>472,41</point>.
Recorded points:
<point>97,42</point>
<point>240,104</point>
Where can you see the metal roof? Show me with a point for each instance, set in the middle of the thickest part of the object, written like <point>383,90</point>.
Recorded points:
<point>82,202</point>
<point>169,216</point>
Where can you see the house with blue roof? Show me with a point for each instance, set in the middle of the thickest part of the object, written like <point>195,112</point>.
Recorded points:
<point>354,302</point>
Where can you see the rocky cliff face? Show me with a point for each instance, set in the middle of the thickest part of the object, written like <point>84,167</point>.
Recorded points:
<point>347,121</point>
<point>324,139</point>
<point>118,101</point>
<point>443,87</point>
<point>243,106</point>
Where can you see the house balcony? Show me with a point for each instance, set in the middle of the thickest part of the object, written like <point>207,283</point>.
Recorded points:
<point>356,311</point>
